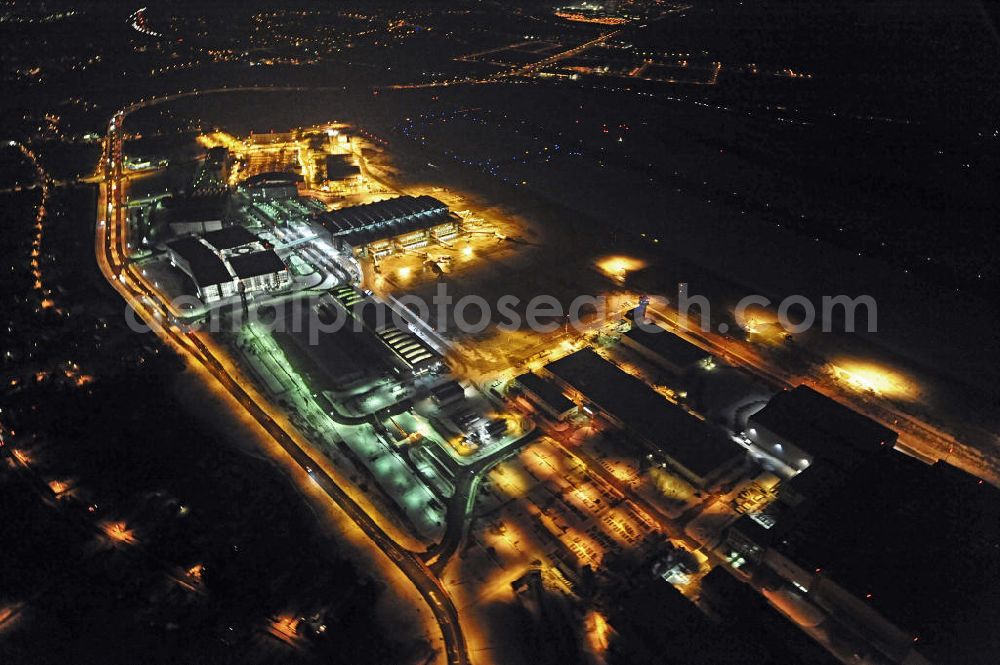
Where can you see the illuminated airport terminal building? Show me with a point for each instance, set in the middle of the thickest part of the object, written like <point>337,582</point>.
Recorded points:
<point>384,227</point>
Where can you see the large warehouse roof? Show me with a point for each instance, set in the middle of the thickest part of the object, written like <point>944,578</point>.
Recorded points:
<point>390,212</point>
<point>821,426</point>
<point>408,347</point>
<point>886,535</point>
<point>256,264</point>
<point>229,237</point>
<point>546,391</point>
<point>206,266</point>
<point>364,236</point>
<point>675,350</point>
<point>691,443</point>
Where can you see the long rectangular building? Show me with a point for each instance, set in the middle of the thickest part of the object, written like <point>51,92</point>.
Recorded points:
<point>799,426</point>
<point>407,350</point>
<point>546,395</point>
<point>379,228</point>
<point>702,453</point>
<point>664,348</point>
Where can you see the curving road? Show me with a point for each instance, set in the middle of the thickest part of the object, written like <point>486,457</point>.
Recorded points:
<point>463,501</point>
<point>110,243</point>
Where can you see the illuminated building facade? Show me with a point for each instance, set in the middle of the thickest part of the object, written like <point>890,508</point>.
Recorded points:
<point>397,224</point>
<point>229,261</point>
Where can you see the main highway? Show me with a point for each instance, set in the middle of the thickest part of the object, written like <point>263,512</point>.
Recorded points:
<point>112,257</point>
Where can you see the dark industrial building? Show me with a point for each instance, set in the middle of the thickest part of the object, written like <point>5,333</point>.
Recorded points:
<point>196,214</point>
<point>383,227</point>
<point>230,238</point>
<point>228,261</point>
<point>340,167</point>
<point>895,551</point>
<point>698,451</point>
<point>259,271</point>
<point>448,392</point>
<point>664,348</point>
<point>801,425</point>
<point>654,624</point>
<point>206,268</point>
<point>409,353</point>
<point>545,395</point>
<point>333,360</point>
<point>271,185</point>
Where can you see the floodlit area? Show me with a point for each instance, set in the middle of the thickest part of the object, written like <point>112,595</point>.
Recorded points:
<point>588,332</point>
<point>415,412</point>
<point>569,444</point>
<point>118,533</point>
<point>619,267</point>
<point>480,240</point>
<point>278,187</point>
<point>873,378</point>
<point>295,225</point>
